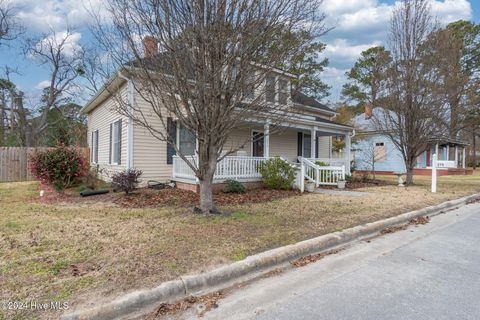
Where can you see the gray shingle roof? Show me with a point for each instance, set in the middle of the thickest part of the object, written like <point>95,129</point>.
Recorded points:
<point>305,100</point>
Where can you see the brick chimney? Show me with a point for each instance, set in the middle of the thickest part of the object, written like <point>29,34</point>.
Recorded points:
<point>368,111</point>
<point>150,46</point>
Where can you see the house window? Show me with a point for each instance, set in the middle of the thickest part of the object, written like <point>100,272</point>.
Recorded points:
<point>258,143</point>
<point>250,86</point>
<point>270,89</point>
<point>307,145</point>
<point>187,142</point>
<point>283,92</point>
<point>116,142</point>
<point>380,152</point>
<point>94,146</point>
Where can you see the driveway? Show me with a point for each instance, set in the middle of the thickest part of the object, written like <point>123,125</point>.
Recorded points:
<point>429,271</point>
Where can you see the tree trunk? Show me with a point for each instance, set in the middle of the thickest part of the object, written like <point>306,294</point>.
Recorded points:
<point>409,175</point>
<point>206,195</point>
<point>206,184</point>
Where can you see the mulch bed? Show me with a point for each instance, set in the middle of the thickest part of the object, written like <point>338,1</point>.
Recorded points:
<point>184,198</point>
<point>145,197</point>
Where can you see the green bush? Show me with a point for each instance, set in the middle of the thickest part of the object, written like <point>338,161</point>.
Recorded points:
<point>349,178</point>
<point>277,173</point>
<point>321,164</point>
<point>59,167</point>
<point>233,186</point>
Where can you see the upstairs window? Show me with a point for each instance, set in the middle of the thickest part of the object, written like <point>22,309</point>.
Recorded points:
<point>283,92</point>
<point>250,86</point>
<point>270,89</point>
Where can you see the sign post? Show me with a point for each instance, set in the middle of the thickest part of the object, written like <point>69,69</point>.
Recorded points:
<point>434,173</point>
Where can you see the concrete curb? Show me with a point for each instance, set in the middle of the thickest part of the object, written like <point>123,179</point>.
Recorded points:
<point>139,302</point>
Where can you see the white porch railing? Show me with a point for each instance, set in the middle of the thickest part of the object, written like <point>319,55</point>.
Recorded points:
<point>247,168</point>
<point>239,167</point>
<point>231,167</point>
<point>446,164</point>
<point>322,175</point>
<point>333,162</point>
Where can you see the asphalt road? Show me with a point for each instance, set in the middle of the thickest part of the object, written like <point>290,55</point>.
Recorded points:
<point>430,271</point>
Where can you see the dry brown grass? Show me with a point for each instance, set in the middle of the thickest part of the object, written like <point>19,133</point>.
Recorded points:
<point>91,251</point>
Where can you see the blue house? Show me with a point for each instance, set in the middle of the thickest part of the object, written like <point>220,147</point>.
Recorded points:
<point>375,151</point>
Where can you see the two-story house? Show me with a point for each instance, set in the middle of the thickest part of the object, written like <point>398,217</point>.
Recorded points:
<point>117,143</point>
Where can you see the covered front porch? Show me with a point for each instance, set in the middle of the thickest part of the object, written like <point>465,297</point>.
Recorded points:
<point>292,142</point>
<point>451,154</point>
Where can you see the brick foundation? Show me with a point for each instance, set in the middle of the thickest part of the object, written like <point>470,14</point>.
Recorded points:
<point>426,172</point>
<point>217,187</point>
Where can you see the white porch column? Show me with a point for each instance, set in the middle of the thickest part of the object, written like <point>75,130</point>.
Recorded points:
<point>456,156</point>
<point>348,143</point>
<point>313,140</point>
<point>436,150</point>
<point>266,139</point>
<point>463,158</point>
<point>448,152</point>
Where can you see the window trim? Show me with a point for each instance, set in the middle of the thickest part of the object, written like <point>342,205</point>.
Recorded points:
<point>94,147</point>
<point>179,141</point>
<point>303,145</point>
<point>275,94</point>
<point>251,142</point>
<point>115,131</point>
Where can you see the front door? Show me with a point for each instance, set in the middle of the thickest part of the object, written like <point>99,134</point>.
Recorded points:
<point>257,144</point>
<point>428,158</point>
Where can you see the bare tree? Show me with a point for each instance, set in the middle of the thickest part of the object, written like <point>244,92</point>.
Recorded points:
<point>10,29</point>
<point>412,113</point>
<point>372,152</point>
<point>208,75</point>
<point>60,53</point>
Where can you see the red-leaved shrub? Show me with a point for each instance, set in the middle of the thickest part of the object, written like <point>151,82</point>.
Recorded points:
<point>59,167</point>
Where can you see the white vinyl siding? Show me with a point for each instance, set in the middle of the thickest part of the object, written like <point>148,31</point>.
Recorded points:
<point>99,120</point>
<point>150,153</point>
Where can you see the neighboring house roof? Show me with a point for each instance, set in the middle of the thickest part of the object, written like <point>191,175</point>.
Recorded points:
<point>365,125</point>
<point>303,99</point>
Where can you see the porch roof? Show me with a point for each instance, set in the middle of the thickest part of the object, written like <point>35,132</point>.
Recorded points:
<point>449,141</point>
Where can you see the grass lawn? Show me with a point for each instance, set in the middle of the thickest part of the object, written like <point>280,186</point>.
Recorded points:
<point>91,251</point>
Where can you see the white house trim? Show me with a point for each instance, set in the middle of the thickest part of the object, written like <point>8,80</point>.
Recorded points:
<point>131,101</point>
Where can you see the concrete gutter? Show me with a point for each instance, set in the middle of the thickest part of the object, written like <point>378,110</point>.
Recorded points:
<point>144,301</point>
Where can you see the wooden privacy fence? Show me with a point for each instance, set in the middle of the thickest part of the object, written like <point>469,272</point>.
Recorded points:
<point>14,164</point>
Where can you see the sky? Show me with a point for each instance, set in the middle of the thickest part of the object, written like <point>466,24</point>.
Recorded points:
<point>357,25</point>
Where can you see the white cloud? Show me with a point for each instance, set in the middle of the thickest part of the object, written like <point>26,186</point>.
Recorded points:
<point>361,24</point>
<point>42,84</point>
<point>341,50</point>
<point>451,10</point>
<point>70,47</point>
<point>42,16</point>
<point>344,6</point>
